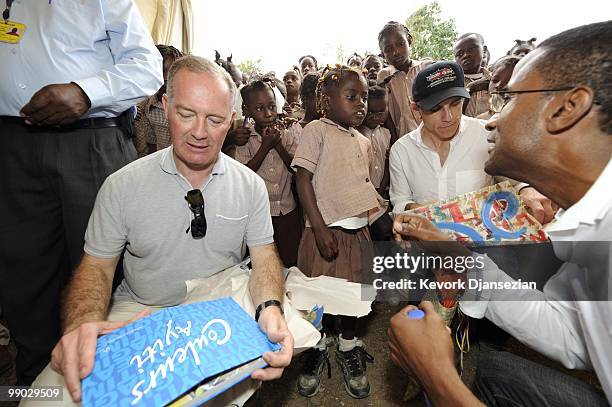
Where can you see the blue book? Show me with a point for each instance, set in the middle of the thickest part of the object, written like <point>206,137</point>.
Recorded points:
<point>169,354</point>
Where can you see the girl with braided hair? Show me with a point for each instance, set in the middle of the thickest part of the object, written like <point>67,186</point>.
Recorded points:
<point>333,182</point>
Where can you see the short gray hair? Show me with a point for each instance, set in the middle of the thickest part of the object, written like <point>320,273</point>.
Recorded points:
<point>197,64</point>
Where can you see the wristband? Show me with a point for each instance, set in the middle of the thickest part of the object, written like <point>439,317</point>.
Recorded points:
<point>265,305</point>
<point>521,187</point>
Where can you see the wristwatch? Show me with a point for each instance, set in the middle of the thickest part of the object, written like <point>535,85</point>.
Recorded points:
<point>266,304</point>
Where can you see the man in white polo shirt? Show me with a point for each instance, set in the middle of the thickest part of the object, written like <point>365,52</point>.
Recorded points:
<point>444,157</point>
<point>169,242</point>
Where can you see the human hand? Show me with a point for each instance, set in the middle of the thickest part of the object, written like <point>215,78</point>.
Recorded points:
<point>239,136</point>
<point>478,85</point>
<point>326,243</point>
<point>538,205</point>
<point>417,227</point>
<point>273,324</point>
<point>270,136</point>
<point>56,105</point>
<point>73,356</point>
<point>421,347</point>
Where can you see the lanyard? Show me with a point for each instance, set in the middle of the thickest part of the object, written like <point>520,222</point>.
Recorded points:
<point>6,14</point>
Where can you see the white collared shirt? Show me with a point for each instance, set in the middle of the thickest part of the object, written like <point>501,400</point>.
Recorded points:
<point>417,176</point>
<point>559,322</point>
<point>102,46</point>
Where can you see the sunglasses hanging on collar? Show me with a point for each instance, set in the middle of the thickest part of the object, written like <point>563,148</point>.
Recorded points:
<point>196,204</point>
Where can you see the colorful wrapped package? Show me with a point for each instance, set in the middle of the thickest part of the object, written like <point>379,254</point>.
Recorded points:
<point>491,214</point>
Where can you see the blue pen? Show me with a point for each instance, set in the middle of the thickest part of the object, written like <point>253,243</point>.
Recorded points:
<point>416,314</point>
<point>419,314</point>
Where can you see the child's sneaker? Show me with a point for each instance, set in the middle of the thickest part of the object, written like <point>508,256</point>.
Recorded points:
<point>353,365</point>
<point>313,362</point>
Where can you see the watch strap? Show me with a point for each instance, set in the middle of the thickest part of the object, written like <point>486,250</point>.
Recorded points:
<point>266,304</point>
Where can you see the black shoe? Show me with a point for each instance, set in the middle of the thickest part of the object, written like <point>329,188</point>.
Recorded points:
<point>309,380</point>
<point>353,365</point>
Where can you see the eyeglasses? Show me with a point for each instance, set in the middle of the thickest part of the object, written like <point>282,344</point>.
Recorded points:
<point>499,98</point>
<point>196,204</point>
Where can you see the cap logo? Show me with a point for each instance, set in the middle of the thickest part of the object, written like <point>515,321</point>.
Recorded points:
<point>440,76</point>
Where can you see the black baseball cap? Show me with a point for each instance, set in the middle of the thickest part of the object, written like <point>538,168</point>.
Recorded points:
<point>438,82</point>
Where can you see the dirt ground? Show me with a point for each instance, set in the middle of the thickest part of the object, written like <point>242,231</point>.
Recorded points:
<point>387,381</point>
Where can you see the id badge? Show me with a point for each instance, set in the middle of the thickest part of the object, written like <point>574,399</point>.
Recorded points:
<point>11,31</point>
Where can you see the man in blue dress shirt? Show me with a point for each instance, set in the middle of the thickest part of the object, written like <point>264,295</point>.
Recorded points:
<point>68,81</point>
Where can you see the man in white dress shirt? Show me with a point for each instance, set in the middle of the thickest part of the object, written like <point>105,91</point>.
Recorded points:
<point>69,79</point>
<point>553,130</point>
<point>444,157</point>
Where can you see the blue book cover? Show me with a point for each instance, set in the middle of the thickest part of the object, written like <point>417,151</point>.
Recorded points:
<point>156,359</point>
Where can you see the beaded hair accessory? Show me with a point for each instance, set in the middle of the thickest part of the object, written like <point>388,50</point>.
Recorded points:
<point>331,75</point>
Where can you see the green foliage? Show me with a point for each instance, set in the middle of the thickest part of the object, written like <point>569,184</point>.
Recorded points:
<point>433,36</point>
<point>251,66</point>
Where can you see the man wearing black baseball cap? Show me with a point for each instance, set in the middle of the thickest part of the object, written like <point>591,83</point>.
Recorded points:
<point>438,82</point>
<point>444,157</point>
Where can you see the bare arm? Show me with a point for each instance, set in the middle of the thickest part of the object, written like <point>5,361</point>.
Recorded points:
<point>412,205</point>
<point>84,313</point>
<point>389,125</point>
<point>259,157</point>
<point>384,183</point>
<point>267,283</point>
<point>308,199</point>
<point>423,348</point>
<point>270,138</point>
<point>89,292</point>
<point>284,155</point>
<point>326,241</point>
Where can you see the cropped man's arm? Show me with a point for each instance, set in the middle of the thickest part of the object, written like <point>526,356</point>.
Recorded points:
<point>84,315</point>
<point>266,282</point>
<point>137,71</point>
<point>89,292</point>
<point>550,327</point>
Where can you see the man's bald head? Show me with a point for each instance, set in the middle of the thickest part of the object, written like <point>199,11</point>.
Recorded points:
<point>197,64</point>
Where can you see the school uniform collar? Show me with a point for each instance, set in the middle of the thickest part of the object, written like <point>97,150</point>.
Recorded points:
<point>397,72</point>
<point>168,165</point>
<point>350,130</point>
<point>591,208</point>
<point>368,132</point>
